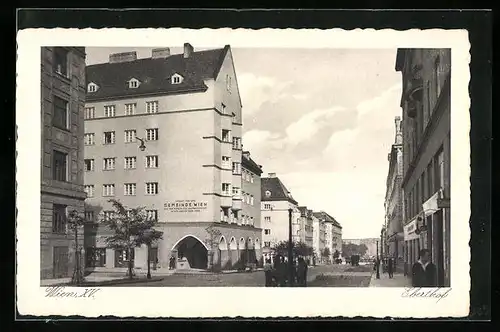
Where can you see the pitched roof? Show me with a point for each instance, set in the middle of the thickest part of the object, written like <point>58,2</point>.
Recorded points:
<point>251,165</point>
<point>277,189</point>
<point>154,74</point>
<point>327,218</point>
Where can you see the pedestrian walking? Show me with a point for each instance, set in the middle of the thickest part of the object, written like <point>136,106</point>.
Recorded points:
<point>301,272</point>
<point>268,270</point>
<point>390,267</point>
<point>424,271</point>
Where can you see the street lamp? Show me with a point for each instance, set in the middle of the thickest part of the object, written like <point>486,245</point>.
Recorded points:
<point>290,248</point>
<point>148,234</point>
<point>142,147</point>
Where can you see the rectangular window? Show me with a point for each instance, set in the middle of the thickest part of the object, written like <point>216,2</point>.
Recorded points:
<point>152,134</point>
<point>267,244</point>
<point>267,231</point>
<point>226,135</point>
<point>89,139</point>
<point>130,108</point>
<point>108,215</point>
<point>236,168</point>
<point>109,164</point>
<point>268,219</point>
<point>151,161</point>
<point>59,165</point>
<point>251,178</point>
<point>429,179</point>
<point>130,162</point>
<point>96,257</point>
<point>89,165</point>
<point>108,190</point>
<point>122,257</point>
<point>226,189</point>
<point>437,66</point>
<point>267,206</point>
<point>109,111</point>
<point>228,83</point>
<point>89,190</point>
<point>60,115</point>
<point>109,137</point>
<point>237,143</point>
<point>130,189</point>
<point>152,214</point>
<point>152,106</point>
<point>440,162</point>
<point>251,200</point>
<point>130,135</point>
<point>61,61</point>
<point>151,188</point>
<point>226,162</point>
<point>89,112</point>
<point>59,219</point>
<point>223,107</point>
<point>236,192</point>
<point>89,216</point>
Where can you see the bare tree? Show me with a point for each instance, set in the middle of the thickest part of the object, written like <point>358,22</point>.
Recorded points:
<point>75,221</point>
<point>212,241</point>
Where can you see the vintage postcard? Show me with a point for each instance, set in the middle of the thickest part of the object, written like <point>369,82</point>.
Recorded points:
<point>243,173</point>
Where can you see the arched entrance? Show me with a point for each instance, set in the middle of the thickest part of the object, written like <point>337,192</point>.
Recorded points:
<point>192,249</point>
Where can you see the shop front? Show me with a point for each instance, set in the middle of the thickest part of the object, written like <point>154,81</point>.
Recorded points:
<point>412,245</point>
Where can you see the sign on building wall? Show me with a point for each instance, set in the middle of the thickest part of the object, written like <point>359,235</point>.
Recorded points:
<point>409,231</point>
<point>185,205</point>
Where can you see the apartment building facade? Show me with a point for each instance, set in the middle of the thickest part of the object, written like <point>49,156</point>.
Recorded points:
<point>62,102</point>
<point>164,132</point>
<point>276,200</point>
<point>333,233</point>
<point>426,155</point>
<point>394,237</point>
<point>305,233</point>
<point>319,236</point>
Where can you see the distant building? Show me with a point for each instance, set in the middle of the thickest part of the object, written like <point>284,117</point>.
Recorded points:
<point>333,233</point>
<point>306,226</point>
<point>426,125</point>
<point>186,110</point>
<point>276,201</point>
<point>371,244</point>
<point>393,228</point>
<point>319,236</point>
<point>62,102</point>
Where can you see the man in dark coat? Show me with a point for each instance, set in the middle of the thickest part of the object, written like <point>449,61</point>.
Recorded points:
<point>424,271</point>
<point>390,267</point>
<point>301,272</point>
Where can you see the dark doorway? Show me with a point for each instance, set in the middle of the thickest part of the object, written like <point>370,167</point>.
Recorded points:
<point>194,251</point>
<point>438,222</point>
<point>60,262</point>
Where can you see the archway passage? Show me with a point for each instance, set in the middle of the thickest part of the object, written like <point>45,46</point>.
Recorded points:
<point>194,251</point>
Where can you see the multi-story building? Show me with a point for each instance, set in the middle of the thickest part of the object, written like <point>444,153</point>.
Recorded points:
<point>393,204</point>
<point>333,233</point>
<point>305,233</point>
<point>319,234</point>
<point>426,128</point>
<point>62,102</point>
<point>276,201</point>
<point>251,197</point>
<point>185,111</point>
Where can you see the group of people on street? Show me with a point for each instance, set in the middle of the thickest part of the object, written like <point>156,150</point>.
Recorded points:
<point>423,272</point>
<point>172,263</point>
<point>279,275</point>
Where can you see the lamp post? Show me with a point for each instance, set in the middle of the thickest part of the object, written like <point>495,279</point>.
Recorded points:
<point>148,234</point>
<point>378,264</point>
<point>290,248</point>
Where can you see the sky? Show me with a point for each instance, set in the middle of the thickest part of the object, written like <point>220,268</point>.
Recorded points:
<point>322,120</point>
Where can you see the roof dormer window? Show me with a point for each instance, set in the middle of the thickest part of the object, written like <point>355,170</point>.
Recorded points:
<point>92,87</point>
<point>177,79</point>
<point>133,83</point>
<point>268,193</point>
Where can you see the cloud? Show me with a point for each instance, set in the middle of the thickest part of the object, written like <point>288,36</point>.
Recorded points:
<point>255,90</point>
<point>380,102</point>
<point>309,124</point>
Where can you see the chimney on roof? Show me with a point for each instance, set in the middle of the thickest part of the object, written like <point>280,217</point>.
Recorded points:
<point>260,166</point>
<point>159,53</point>
<point>246,154</point>
<point>122,57</point>
<point>399,133</point>
<point>188,50</point>
<point>271,175</point>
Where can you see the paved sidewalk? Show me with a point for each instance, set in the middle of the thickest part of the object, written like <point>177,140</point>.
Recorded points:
<point>90,278</point>
<point>398,280</point>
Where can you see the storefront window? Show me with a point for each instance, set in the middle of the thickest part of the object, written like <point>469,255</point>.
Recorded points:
<point>96,257</point>
<point>121,257</point>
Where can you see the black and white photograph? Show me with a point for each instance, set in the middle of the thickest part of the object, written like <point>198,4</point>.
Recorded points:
<point>258,164</point>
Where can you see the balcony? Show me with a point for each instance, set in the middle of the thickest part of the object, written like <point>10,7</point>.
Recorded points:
<point>226,201</point>
<point>237,204</point>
